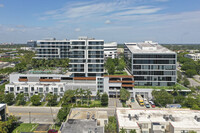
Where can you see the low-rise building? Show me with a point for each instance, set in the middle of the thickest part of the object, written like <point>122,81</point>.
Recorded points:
<point>110,50</point>
<point>195,56</point>
<point>159,120</point>
<point>2,112</point>
<point>85,121</point>
<point>32,84</point>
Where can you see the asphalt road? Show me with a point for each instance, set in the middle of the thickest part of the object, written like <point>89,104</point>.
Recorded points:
<point>41,115</point>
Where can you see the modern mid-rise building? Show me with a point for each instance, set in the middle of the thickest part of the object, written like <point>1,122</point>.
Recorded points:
<point>110,50</point>
<point>86,55</point>
<point>195,56</point>
<point>150,63</point>
<point>31,84</point>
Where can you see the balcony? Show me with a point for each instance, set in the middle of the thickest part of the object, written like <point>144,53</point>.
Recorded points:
<point>49,80</point>
<point>127,85</point>
<point>23,80</point>
<point>119,81</point>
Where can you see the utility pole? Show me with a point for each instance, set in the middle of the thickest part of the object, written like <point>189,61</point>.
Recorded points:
<point>29,117</point>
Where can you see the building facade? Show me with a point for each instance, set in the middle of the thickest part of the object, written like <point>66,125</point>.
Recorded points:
<point>86,55</point>
<point>151,64</point>
<point>110,50</point>
<point>158,120</point>
<point>31,84</point>
<point>195,56</point>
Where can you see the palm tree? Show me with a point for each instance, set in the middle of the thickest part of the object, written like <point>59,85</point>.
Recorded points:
<point>88,94</point>
<point>81,92</point>
<point>76,94</point>
<point>133,131</point>
<point>122,130</point>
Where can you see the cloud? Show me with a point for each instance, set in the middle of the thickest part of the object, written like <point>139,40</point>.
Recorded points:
<point>1,5</point>
<point>107,22</point>
<point>90,11</point>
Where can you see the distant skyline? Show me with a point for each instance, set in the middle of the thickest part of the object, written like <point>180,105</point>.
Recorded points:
<point>163,21</point>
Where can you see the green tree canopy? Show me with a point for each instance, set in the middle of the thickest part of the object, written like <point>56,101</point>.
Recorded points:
<point>124,94</point>
<point>162,97</point>
<point>35,99</point>
<point>104,99</point>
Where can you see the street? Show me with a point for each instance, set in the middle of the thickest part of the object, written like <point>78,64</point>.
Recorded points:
<point>41,115</point>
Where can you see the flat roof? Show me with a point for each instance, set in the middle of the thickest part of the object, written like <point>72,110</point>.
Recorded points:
<point>146,47</point>
<point>81,126</point>
<point>82,114</point>
<point>182,118</point>
<point>2,106</point>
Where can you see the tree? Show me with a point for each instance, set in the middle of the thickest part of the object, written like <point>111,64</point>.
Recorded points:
<point>21,99</point>
<point>88,94</point>
<point>62,114</point>
<point>186,82</point>
<point>179,76</point>
<point>9,98</point>
<point>68,97</point>
<point>191,72</point>
<point>133,131</point>
<point>104,99</point>
<point>9,125</point>
<point>76,94</point>
<point>124,95</point>
<point>122,130</point>
<point>192,132</point>
<point>110,66</point>
<point>52,99</point>
<point>35,99</point>
<point>98,96</point>
<point>111,126</point>
<point>82,93</point>
<point>121,65</point>
<point>20,67</point>
<point>162,97</point>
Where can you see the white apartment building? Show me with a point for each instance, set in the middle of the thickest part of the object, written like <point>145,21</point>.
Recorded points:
<point>195,56</point>
<point>150,63</point>
<point>86,54</point>
<point>110,50</point>
<point>158,120</point>
<point>31,84</point>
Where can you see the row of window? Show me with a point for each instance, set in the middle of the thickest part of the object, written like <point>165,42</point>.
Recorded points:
<point>154,61</point>
<point>154,56</point>
<point>153,78</point>
<point>154,83</point>
<point>155,67</point>
<point>154,72</point>
<point>39,89</point>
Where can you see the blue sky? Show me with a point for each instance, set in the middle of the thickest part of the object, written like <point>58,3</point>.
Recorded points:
<point>164,21</point>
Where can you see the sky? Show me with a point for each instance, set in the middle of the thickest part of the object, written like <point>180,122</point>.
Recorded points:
<point>163,21</point>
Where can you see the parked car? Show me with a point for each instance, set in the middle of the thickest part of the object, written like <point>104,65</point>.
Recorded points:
<point>52,131</point>
<point>152,104</point>
<point>146,104</point>
<point>132,99</point>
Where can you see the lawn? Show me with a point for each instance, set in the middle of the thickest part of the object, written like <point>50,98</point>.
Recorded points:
<point>162,87</point>
<point>25,127</point>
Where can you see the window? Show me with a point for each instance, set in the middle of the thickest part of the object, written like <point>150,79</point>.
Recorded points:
<point>32,88</point>
<point>61,89</point>
<point>18,88</point>
<point>26,89</point>
<point>40,89</point>
<point>11,88</point>
<point>55,89</point>
<point>47,89</point>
